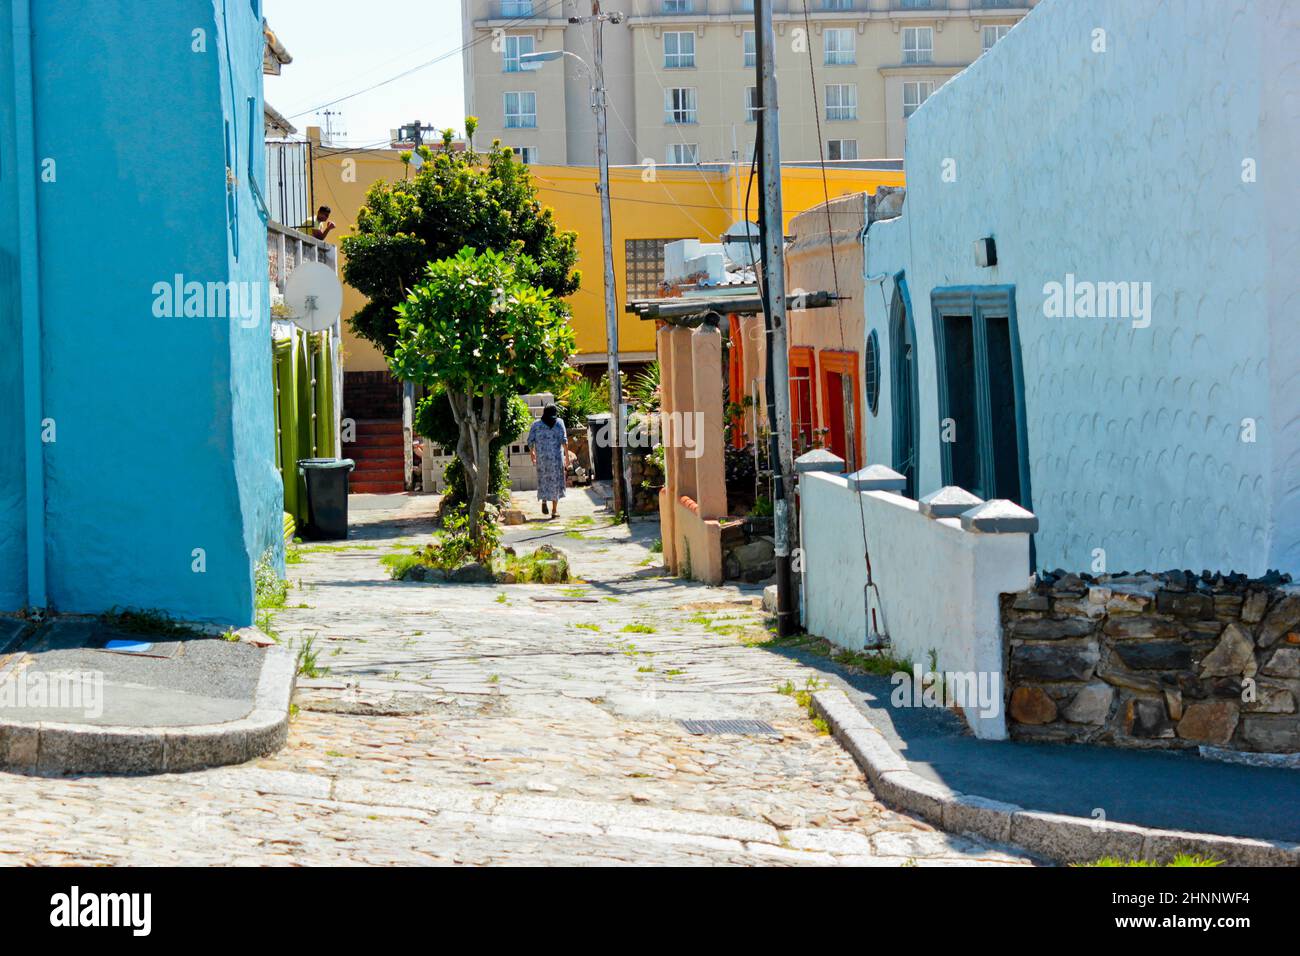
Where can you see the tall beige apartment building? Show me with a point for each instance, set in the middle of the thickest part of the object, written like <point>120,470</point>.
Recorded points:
<point>680,74</point>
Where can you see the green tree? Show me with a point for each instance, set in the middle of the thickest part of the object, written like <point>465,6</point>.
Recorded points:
<point>455,199</point>
<point>477,330</point>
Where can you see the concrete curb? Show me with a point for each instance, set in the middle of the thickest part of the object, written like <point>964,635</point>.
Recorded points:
<point>55,748</point>
<point>1055,836</point>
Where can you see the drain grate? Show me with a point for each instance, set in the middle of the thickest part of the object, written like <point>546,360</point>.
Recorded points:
<point>699,727</point>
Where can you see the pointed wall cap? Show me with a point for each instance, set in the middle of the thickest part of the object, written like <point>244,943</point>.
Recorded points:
<point>949,502</point>
<point>819,459</point>
<point>999,516</point>
<point>877,478</point>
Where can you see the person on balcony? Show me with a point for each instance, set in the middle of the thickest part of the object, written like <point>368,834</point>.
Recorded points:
<point>319,227</point>
<point>547,443</point>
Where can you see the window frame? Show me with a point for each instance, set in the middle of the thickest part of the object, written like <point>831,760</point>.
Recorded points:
<point>695,153</point>
<point>686,60</point>
<point>981,302</point>
<point>920,102</point>
<point>852,89</point>
<point>671,111</point>
<point>749,49</point>
<point>1000,29</point>
<point>851,51</point>
<point>520,112</point>
<point>751,107</point>
<point>918,55</point>
<point>841,157</point>
<point>507,59</point>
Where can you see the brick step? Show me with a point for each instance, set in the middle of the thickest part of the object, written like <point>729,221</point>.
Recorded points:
<point>376,441</point>
<point>376,487</point>
<point>386,466</point>
<point>379,424</point>
<point>376,453</point>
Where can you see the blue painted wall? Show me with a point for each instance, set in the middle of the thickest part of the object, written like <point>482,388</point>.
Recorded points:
<point>165,425</point>
<point>13,526</point>
<point>1126,165</point>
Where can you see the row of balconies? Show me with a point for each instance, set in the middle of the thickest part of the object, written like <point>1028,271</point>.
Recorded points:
<point>524,9</point>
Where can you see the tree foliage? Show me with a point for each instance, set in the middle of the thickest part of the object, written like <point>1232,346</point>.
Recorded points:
<point>478,331</point>
<point>455,199</point>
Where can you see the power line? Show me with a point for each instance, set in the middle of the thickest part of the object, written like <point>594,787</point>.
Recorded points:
<point>428,63</point>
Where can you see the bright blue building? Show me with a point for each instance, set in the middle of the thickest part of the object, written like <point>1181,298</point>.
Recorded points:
<point>137,456</point>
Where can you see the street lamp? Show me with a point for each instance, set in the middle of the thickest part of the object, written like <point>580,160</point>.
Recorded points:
<point>596,76</point>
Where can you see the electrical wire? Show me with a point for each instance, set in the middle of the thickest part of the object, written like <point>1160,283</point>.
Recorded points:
<point>428,63</point>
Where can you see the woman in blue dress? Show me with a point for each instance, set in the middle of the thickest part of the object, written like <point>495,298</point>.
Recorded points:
<point>548,444</point>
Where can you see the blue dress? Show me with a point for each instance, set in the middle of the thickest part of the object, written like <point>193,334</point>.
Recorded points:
<point>550,443</point>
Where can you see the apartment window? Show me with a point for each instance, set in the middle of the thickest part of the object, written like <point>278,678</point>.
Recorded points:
<point>645,267</point>
<point>679,50</point>
<point>679,105</point>
<point>751,104</point>
<point>915,93</point>
<point>993,34</point>
<point>916,4</point>
<point>526,154</point>
<point>837,4</point>
<point>751,51</point>
<point>918,44</point>
<point>842,101</point>
<point>521,110</point>
<point>514,46</point>
<point>516,8</point>
<point>839,47</point>
<point>841,149</point>
<point>683,154</point>
<point>677,6</point>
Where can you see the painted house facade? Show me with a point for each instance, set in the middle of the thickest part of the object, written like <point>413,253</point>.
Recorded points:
<point>136,406</point>
<point>1129,368</point>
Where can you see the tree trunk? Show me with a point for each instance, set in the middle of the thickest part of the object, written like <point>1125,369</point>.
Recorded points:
<point>478,422</point>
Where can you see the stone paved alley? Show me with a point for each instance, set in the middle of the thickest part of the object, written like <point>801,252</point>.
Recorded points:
<point>474,724</point>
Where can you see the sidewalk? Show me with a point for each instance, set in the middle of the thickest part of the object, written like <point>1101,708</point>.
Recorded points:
<point>474,724</point>
<point>1155,789</point>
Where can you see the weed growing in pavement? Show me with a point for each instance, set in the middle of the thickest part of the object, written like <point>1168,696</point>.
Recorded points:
<point>149,621</point>
<point>306,662</point>
<point>804,698</point>
<point>638,629</point>
<point>1181,859</point>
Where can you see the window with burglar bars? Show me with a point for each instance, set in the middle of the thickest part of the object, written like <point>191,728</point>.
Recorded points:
<point>644,267</point>
<point>679,106</point>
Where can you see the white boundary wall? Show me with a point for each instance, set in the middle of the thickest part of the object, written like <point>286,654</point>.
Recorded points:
<point>938,584</point>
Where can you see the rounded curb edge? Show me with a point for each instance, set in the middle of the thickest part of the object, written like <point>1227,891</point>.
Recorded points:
<point>53,748</point>
<point>1054,836</point>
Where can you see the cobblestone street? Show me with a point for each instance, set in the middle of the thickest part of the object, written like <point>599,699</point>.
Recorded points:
<point>520,724</point>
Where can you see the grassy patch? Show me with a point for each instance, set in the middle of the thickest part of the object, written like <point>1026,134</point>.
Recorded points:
<point>588,627</point>
<point>638,629</point>
<point>1181,859</point>
<point>501,598</point>
<point>803,696</point>
<point>400,563</point>
<point>879,663</point>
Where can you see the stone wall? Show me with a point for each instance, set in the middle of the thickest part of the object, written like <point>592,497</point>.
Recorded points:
<point>1166,660</point>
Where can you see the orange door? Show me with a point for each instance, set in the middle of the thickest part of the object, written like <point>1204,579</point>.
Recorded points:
<point>843,421</point>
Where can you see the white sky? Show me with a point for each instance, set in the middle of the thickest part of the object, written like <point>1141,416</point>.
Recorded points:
<point>342,46</point>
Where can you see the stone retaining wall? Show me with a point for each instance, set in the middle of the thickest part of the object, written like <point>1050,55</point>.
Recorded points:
<point>1166,660</point>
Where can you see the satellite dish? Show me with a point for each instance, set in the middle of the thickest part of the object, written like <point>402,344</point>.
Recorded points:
<point>739,249</point>
<point>314,296</point>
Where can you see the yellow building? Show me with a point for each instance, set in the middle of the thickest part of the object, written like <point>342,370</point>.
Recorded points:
<point>649,206</point>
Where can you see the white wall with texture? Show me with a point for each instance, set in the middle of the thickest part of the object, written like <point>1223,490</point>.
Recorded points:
<point>1126,155</point>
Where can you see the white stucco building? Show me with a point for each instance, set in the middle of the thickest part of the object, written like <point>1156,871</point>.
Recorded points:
<point>1129,369</point>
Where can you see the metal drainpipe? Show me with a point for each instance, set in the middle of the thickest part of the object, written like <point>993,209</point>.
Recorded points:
<point>30,302</point>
